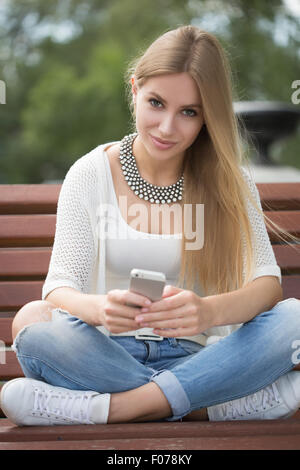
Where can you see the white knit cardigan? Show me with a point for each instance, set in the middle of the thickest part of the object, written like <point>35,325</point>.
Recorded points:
<point>78,255</point>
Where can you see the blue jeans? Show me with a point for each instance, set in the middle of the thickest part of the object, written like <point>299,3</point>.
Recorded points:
<point>68,352</point>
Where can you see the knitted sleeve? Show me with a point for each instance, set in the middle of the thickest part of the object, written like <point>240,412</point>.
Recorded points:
<point>265,261</point>
<point>73,251</point>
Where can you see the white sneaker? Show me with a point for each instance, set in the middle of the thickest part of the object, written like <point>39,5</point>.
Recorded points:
<point>279,400</point>
<point>29,402</point>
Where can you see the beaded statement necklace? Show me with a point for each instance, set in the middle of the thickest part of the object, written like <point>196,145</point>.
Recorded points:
<point>141,187</point>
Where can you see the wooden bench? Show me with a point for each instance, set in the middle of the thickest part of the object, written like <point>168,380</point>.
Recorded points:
<point>27,227</point>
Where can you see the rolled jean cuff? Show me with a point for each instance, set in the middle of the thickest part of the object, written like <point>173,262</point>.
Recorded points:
<point>174,392</point>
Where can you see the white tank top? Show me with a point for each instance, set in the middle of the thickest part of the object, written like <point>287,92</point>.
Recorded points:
<point>127,248</point>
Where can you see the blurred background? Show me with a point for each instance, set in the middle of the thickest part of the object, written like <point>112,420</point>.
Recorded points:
<point>63,63</point>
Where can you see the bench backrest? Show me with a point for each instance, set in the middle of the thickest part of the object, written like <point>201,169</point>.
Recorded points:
<point>27,228</point>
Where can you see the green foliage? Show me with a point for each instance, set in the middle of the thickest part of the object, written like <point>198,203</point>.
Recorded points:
<point>66,93</point>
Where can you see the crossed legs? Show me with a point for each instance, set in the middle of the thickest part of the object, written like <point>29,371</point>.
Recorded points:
<point>242,363</point>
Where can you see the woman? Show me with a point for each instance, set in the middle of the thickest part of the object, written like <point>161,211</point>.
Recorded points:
<point>222,338</point>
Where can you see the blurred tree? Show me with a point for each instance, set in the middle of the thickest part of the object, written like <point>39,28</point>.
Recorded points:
<point>263,42</point>
<point>64,61</point>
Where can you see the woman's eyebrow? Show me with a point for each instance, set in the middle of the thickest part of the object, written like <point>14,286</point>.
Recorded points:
<point>164,101</point>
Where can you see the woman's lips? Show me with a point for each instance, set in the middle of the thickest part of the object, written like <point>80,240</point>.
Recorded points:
<point>161,144</point>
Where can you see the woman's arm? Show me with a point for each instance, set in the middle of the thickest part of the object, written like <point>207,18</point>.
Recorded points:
<point>245,303</point>
<point>74,248</point>
<point>89,308</point>
<point>111,310</point>
<point>187,314</point>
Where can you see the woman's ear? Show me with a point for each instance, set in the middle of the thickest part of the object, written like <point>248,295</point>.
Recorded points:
<point>133,88</point>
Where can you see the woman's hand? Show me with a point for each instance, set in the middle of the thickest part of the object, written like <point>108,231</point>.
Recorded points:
<point>116,316</point>
<point>179,313</point>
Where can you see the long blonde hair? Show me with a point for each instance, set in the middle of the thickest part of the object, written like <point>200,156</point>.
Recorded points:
<point>212,165</point>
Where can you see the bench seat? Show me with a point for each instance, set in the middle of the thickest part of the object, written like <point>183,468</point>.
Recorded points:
<point>27,228</point>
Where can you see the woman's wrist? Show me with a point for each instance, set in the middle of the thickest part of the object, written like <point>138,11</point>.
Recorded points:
<point>96,309</point>
<point>243,304</point>
<point>216,313</point>
<point>87,307</point>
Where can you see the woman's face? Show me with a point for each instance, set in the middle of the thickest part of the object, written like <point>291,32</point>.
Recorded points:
<point>168,108</point>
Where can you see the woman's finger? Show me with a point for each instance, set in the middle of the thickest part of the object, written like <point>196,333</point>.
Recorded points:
<point>174,322</point>
<point>127,297</point>
<point>150,317</point>
<point>169,303</point>
<point>114,323</point>
<point>174,332</point>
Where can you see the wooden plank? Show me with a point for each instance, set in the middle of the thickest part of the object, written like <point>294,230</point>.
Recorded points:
<point>15,294</point>
<point>287,220</point>
<point>290,442</point>
<point>9,432</point>
<point>279,196</point>
<point>27,230</point>
<point>18,262</point>
<point>11,369</point>
<point>42,198</point>
<point>290,285</point>
<point>5,330</point>
<point>288,257</point>
<point>29,198</point>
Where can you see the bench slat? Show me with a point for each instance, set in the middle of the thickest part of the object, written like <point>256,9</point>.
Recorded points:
<point>290,285</point>
<point>288,257</point>
<point>291,442</point>
<point>29,198</point>
<point>150,429</point>
<point>27,230</point>
<point>279,196</point>
<point>42,198</point>
<point>16,262</point>
<point>15,294</point>
<point>39,230</point>
<point>32,261</point>
<point>11,369</point>
<point>288,220</point>
<point>5,330</point>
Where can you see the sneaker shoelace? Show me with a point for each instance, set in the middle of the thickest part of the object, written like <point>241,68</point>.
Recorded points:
<point>256,402</point>
<point>65,406</point>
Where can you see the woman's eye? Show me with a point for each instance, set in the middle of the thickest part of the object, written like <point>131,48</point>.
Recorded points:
<point>154,103</point>
<point>157,104</point>
<point>190,111</point>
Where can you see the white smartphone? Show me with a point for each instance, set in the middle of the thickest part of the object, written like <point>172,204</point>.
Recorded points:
<point>147,283</point>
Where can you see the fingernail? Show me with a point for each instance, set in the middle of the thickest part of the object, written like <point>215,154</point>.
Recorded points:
<point>147,302</point>
<point>139,318</point>
<point>144,309</point>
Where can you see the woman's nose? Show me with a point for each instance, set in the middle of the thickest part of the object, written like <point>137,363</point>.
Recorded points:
<point>167,125</point>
